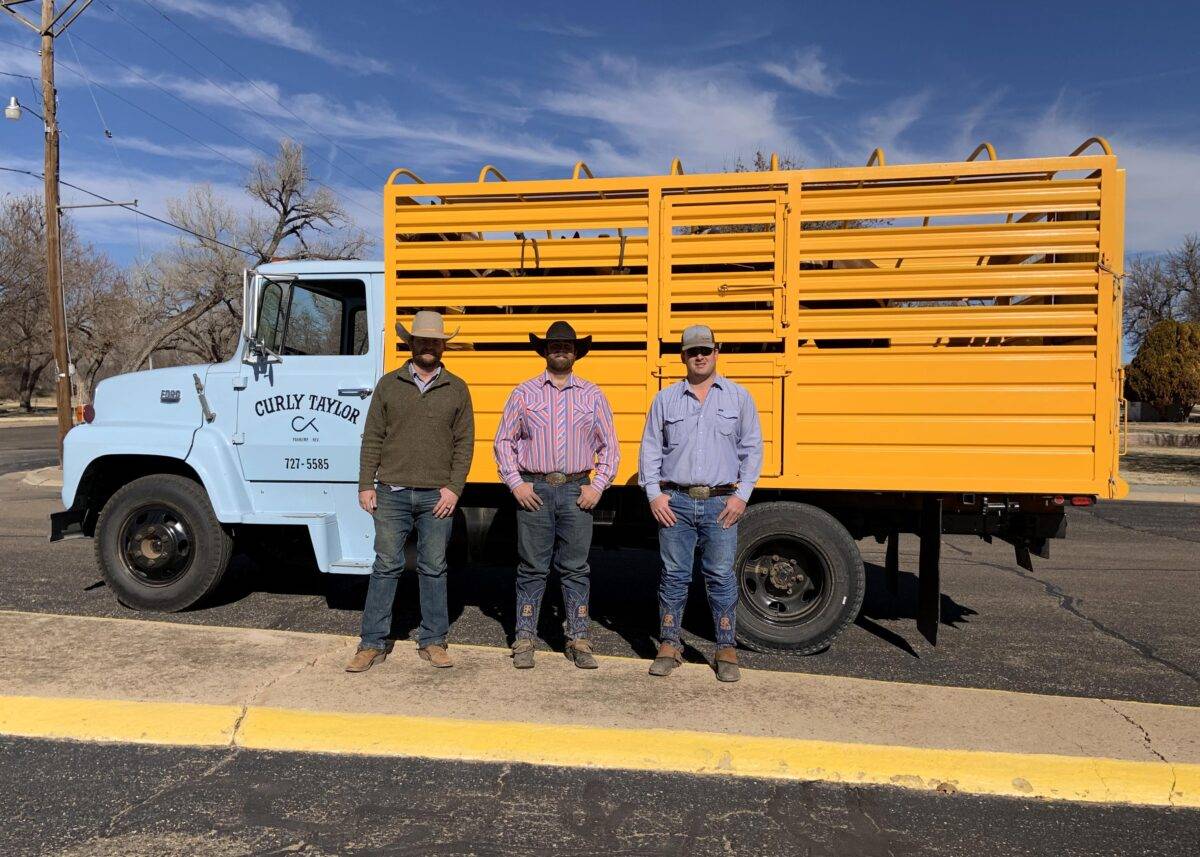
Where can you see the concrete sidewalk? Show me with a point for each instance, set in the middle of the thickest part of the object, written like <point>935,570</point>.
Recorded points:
<point>152,682</point>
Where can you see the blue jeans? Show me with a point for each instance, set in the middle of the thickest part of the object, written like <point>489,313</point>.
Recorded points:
<point>397,513</point>
<point>557,535</point>
<point>696,527</point>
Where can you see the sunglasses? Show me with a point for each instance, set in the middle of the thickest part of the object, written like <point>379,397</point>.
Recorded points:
<point>701,351</point>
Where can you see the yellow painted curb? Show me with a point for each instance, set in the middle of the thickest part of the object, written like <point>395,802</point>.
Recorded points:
<point>119,720</point>
<point>1072,778</point>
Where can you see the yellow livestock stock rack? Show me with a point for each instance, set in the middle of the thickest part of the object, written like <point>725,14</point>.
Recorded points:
<point>947,327</point>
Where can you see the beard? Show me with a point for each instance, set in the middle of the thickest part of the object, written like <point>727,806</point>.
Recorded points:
<point>560,362</point>
<point>425,359</point>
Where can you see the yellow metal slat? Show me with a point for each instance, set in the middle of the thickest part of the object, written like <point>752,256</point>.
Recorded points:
<point>507,254</point>
<point>516,216</point>
<point>963,281</point>
<point>602,326</point>
<point>520,291</point>
<point>1065,320</point>
<point>1019,239</point>
<point>947,199</point>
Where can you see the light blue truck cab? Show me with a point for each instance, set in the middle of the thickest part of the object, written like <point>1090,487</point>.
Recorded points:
<point>176,461</point>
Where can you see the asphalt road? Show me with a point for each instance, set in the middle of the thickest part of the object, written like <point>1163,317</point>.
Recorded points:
<point>27,447</point>
<point>104,801</point>
<point>1112,613</point>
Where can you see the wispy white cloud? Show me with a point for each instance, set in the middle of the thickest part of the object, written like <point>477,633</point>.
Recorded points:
<point>806,71</point>
<point>708,116</point>
<point>559,28</point>
<point>885,127</point>
<point>1163,176</point>
<point>191,152</point>
<point>274,23</point>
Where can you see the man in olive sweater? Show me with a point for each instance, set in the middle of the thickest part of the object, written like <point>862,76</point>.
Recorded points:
<point>416,450</point>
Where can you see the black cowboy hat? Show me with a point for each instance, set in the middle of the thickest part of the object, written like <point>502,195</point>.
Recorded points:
<point>560,331</point>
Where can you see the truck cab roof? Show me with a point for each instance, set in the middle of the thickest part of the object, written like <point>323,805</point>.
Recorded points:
<point>338,266</point>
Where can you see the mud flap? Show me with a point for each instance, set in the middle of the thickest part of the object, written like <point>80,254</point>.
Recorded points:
<point>929,590</point>
<point>893,563</point>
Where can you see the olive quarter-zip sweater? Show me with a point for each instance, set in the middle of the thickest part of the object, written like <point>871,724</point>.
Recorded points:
<point>415,439</point>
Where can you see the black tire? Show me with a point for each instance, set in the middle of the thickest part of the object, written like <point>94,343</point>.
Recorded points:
<point>785,611</point>
<point>159,545</point>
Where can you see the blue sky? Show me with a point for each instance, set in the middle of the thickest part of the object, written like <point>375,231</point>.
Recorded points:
<point>443,88</point>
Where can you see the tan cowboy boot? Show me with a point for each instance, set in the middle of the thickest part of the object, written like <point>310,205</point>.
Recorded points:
<point>436,655</point>
<point>364,659</point>
<point>522,654</point>
<point>580,652</point>
<point>667,659</point>
<point>727,665</point>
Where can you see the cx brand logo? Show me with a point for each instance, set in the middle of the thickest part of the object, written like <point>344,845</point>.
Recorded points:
<point>300,424</point>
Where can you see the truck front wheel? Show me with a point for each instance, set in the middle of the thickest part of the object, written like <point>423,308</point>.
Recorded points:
<point>800,578</point>
<point>159,545</point>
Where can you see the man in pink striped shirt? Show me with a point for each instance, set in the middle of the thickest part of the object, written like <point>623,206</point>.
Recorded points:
<point>556,430</point>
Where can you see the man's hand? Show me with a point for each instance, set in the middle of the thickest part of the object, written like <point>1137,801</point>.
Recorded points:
<point>367,500</point>
<point>447,500</point>
<point>589,496</point>
<point>527,497</point>
<point>735,507</point>
<point>660,508</point>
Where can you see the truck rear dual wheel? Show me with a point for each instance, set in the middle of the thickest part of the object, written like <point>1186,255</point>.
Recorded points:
<point>159,545</point>
<point>800,578</point>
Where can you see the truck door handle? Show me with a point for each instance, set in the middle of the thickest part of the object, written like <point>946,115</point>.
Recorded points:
<point>361,392</point>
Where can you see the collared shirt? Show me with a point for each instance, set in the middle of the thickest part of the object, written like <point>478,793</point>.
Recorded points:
<point>545,429</point>
<point>423,385</point>
<point>715,443</point>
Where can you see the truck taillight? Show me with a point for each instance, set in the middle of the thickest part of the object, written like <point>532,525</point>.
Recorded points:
<point>1082,501</point>
<point>84,414</point>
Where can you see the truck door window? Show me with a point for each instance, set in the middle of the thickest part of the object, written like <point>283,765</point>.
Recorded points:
<point>324,318</point>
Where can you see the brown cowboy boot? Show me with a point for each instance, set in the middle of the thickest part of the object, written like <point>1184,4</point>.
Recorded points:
<point>667,659</point>
<point>727,665</point>
<point>580,652</point>
<point>436,655</point>
<point>522,654</point>
<point>364,659</point>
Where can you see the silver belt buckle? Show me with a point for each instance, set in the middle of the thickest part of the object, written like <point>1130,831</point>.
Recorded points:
<point>556,478</point>
<point>699,492</point>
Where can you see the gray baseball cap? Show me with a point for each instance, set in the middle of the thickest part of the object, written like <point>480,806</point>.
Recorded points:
<point>698,336</point>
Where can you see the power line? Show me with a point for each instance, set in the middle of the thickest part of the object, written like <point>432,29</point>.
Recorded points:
<point>228,92</point>
<point>142,110</point>
<point>145,214</point>
<point>202,114</point>
<point>111,142</point>
<point>250,81</point>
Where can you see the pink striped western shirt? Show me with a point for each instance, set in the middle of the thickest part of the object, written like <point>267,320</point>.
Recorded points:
<point>545,429</point>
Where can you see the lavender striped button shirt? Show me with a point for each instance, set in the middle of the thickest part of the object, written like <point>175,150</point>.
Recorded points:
<point>545,429</point>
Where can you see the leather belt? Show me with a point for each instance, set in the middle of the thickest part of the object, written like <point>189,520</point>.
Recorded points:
<point>699,492</point>
<point>555,478</point>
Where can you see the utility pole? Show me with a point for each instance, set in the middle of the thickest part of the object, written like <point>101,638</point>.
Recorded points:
<point>54,285</point>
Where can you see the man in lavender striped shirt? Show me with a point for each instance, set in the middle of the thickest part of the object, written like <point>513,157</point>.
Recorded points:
<point>556,430</point>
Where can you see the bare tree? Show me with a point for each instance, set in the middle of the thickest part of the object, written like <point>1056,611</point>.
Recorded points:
<point>1162,288</point>
<point>88,280</point>
<point>196,285</point>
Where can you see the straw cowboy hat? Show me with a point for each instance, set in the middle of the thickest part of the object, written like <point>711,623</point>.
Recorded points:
<point>561,331</point>
<point>427,325</point>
